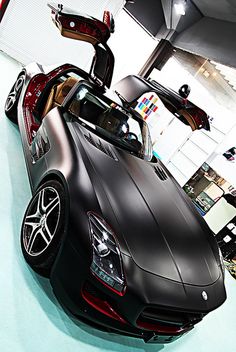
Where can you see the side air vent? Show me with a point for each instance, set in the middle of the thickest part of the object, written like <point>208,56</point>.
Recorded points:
<point>39,147</point>
<point>160,173</point>
<point>105,149</point>
<point>90,140</point>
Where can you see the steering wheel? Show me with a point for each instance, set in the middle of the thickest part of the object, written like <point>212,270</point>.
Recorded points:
<point>129,136</point>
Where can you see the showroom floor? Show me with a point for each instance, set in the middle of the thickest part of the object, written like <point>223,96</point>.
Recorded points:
<point>30,318</point>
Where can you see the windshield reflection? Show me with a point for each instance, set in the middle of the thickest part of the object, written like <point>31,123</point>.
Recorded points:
<point>112,121</point>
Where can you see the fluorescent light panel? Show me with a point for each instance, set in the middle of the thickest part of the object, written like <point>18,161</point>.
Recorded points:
<point>180,9</point>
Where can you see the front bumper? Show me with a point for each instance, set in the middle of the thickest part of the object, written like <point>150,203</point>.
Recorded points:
<point>104,311</point>
<point>88,313</point>
<point>86,297</point>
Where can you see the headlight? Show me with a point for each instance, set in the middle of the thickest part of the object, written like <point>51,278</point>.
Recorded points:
<point>106,263</point>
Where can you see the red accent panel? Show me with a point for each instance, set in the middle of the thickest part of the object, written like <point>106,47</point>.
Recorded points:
<point>157,327</point>
<point>198,115</point>
<point>92,27</point>
<point>32,94</point>
<point>102,306</point>
<point>36,84</point>
<point>3,7</point>
<point>107,19</point>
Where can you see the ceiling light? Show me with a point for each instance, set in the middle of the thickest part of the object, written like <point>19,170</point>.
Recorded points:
<point>206,74</point>
<point>180,9</point>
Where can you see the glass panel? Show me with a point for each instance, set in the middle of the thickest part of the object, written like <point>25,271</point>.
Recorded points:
<point>203,191</point>
<point>112,121</point>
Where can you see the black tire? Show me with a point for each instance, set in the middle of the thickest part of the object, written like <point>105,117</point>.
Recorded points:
<point>13,99</point>
<point>43,227</point>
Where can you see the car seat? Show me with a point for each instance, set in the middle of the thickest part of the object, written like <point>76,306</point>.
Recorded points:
<point>58,94</point>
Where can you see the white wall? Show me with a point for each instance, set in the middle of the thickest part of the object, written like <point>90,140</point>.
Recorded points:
<point>187,155</point>
<point>28,34</point>
<point>225,168</point>
<point>131,46</point>
<point>182,150</point>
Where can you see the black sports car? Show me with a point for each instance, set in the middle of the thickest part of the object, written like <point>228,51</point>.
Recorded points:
<point>120,241</point>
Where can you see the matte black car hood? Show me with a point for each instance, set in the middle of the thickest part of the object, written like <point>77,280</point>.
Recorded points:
<point>163,233</point>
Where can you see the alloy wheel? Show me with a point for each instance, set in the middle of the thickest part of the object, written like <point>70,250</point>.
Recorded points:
<point>41,221</point>
<point>14,94</point>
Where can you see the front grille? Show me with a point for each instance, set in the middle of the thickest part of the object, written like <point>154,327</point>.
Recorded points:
<point>169,318</point>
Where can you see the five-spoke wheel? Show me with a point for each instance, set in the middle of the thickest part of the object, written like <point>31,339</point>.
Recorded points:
<point>43,226</point>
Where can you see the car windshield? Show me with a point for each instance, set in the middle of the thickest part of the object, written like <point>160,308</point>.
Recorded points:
<point>111,121</point>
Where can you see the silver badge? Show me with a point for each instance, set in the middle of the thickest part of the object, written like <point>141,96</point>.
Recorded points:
<point>204,295</point>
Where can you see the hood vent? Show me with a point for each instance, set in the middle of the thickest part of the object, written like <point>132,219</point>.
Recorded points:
<point>160,173</point>
<point>106,150</point>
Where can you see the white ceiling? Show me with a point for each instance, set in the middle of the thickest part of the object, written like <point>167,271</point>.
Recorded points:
<point>219,9</point>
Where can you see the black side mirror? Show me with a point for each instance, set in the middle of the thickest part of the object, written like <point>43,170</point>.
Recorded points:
<point>184,91</point>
